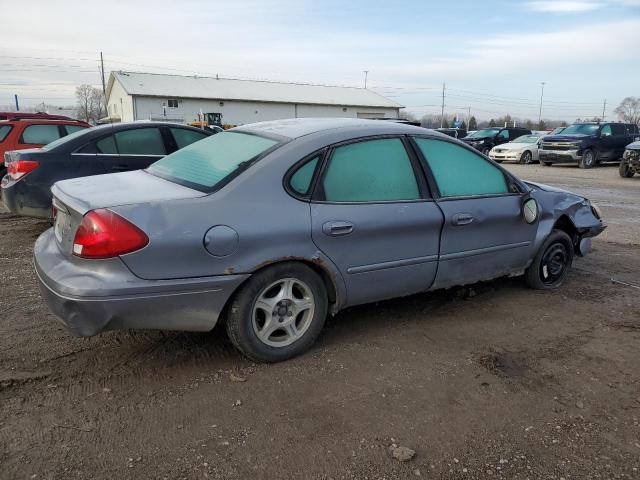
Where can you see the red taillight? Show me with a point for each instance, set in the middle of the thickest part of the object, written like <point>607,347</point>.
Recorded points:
<point>20,168</point>
<point>105,234</point>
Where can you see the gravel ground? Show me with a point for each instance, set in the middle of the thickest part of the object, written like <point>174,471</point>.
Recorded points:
<point>495,381</point>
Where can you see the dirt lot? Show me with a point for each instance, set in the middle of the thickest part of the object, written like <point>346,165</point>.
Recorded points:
<point>494,382</point>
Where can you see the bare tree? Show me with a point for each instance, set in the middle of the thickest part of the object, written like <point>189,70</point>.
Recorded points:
<point>629,110</point>
<point>90,103</point>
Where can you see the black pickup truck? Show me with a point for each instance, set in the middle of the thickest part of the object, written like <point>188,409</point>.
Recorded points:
<point>588,143</point>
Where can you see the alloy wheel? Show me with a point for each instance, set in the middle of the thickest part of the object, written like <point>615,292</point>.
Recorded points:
<point>283,312</point>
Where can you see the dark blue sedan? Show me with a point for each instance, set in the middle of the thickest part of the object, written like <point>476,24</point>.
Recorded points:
<point>26,189</point>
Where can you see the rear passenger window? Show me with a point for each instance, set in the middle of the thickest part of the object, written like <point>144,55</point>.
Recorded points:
<point>301,180</point>
<point>619,129</point>
<point>184,136</point>
<point>369,171</point>
<point>606,131</point>
<point>460,172</point>
<point>74,128</point>
<point>140,141</point>
<point>4,131</point>
<point>40,134</point>
<point>106,145</point>
<point>504,134</point>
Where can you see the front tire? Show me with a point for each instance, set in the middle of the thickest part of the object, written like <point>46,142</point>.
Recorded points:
<point>625,170</point>
<point>525,158</point>
<point>589,159</point>
<point>278,313</point>
<point>547,164</point>
<point>552,262</point>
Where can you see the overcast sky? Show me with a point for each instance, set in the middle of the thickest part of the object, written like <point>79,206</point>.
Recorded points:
<point>491,54</point>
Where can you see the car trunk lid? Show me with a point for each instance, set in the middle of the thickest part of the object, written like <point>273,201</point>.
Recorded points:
<point>73,198</point>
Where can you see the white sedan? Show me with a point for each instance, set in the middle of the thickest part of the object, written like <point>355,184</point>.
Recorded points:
<point>523,150</point>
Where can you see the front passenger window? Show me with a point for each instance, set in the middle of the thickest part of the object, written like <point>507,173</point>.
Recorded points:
<point>504,135</point>
<point>606,131</point>
<point>460,172</point>
<point>370,171</point>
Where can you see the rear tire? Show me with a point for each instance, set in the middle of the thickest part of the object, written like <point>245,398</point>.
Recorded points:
<point>589,159</point>
<point>552,262</point>
<point>625,170</point>
<point>547,164</point>
<point>267,320</point>
<point>526,157</point>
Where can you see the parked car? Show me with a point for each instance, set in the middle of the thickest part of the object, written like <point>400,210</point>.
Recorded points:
<point>26,189</point>
<point>453,132</point>
<point>277,223</point>
<point>523,150</point>
<point>22,133</point>
<point>487,138</point>
<point>588,143</point>
<point>630,163</point>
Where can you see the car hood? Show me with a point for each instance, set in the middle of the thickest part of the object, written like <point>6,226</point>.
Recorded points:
<point>514,146</point>
<point>117,189</point>
<point>633,146</point>
<point>566,138</point>
<point>549,188</point>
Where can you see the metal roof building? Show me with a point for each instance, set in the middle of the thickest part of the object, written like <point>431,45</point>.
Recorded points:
<point>145,96</point>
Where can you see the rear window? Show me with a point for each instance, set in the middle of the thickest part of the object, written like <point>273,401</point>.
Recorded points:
<point>205,164</point>
<point>4,131</point>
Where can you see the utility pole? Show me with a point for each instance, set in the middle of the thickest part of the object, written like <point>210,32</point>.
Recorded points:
<point>468,117</point>
<point>104,90</point>
<point>541,96</point>
<point>17,105</point>
<point>604,108</point>
<point>366,74</point>
<point>442,110</point>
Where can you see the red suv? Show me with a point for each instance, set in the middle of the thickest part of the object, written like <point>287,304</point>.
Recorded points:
<point>19,134</point>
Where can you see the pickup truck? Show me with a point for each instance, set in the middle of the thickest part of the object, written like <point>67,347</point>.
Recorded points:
<point>588,143</point>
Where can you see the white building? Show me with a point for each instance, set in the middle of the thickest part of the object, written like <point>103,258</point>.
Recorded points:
<point>149,96</point>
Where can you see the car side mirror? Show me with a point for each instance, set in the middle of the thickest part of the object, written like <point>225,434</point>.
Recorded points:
<point>530,210</point>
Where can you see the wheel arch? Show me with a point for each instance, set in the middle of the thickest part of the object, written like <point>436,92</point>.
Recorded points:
<point>565,224</point>
<point>331,278</point>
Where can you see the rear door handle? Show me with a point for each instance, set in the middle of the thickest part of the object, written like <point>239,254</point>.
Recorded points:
<point>462,219</point>
<point>337,228</point>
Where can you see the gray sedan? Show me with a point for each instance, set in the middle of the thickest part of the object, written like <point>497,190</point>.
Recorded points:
<point>269,227</point>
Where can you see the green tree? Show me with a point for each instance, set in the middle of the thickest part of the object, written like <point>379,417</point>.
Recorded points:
<point>492,123</point>
<point>445,123</point>
<point>473,123</point>
<point>463,125</point>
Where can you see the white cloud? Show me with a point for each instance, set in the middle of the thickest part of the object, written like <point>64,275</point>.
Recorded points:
<point>562,6</point>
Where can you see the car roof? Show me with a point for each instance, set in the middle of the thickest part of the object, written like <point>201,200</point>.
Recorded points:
<point>299,127</point>
<point>40,121</point>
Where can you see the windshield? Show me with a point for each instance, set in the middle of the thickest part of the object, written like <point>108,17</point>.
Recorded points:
<point>581,128</point>
<point>206,163</point>
<point>485,133</point>
<point>526,139</point>
<point>65,139</point>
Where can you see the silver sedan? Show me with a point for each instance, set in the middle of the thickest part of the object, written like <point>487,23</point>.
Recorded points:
<point>270,227</point>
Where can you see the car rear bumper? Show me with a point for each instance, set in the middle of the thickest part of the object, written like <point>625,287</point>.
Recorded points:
<point>559,156</point>
<point>20,199</point>
<point>91,296</point>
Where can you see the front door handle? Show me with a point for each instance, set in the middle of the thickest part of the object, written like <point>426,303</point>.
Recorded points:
<point>337,228</point>
<point>462,219</point>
